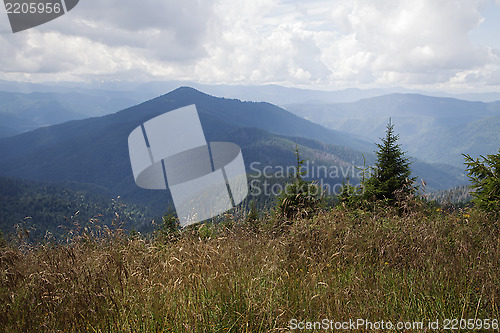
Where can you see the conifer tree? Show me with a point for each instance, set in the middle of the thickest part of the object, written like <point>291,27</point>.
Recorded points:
<point>391,172</point>
<point>485,177</point>
<point>299,197</point>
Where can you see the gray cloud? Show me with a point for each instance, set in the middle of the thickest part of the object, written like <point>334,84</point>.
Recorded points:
<point>343,42</point>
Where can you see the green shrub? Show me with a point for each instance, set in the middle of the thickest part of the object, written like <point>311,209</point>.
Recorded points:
<point>170,227</point>
<point>350,196</point>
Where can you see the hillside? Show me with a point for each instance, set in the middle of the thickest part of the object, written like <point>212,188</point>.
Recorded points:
<point>432,129</point>
<point>52,210</point>
<point>95,151</point>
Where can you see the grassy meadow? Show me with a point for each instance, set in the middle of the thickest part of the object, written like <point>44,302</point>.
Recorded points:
<point>258,275</point>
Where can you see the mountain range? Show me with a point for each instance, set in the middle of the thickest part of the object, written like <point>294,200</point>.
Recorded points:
<point>272,93</point>
<point>432,129</point>
<point>94,150</point>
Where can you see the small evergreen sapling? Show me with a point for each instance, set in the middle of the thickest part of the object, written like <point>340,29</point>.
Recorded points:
<point>299,197</point>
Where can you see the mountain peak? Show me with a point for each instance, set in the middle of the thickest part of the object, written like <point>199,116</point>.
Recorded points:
<point>187,91</point>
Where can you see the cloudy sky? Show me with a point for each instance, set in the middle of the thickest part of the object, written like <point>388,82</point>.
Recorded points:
<point>427,44</point>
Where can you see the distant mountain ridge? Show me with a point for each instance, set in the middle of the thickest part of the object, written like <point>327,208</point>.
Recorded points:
<point>433,129</point>
<point>94,150</point>
<point>21,112</point>
<point>272,93</point>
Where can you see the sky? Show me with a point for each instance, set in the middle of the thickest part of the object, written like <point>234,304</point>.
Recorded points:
<point>447,45</point>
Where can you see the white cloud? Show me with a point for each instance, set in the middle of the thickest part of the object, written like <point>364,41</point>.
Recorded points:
<point>318,42</point>
<point>349,42</point>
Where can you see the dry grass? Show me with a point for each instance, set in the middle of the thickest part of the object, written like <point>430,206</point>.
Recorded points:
<point>339,265</point>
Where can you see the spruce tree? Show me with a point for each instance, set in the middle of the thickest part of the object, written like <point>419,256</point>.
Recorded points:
<point>391,172</point>
<point>485,177</point>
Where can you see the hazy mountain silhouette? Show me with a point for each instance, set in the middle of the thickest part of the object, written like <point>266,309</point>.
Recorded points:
<point>20,112</point>
<point>95,151</point>
<point>433,129</point>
